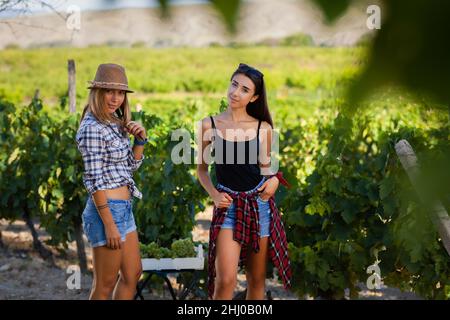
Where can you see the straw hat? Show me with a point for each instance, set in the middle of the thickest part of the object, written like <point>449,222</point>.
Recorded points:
<point>110,76</point>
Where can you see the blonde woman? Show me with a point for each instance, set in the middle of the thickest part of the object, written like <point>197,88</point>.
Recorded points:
<point>109,162</point>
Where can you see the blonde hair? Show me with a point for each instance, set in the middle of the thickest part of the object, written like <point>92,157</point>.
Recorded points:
<point>96,105</point>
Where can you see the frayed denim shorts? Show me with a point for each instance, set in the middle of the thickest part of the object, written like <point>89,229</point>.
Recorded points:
<point>263,210</point>
<point>94,228</point>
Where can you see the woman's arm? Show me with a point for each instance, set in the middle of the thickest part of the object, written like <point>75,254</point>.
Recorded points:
<point>270,186</point>
<point>204,133</point>
<point>138,152</point>
<point>113,239</point>
<point>138,131</point>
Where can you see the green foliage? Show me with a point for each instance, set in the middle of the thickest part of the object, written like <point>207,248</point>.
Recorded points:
<point>24,157</point>
<point>171,192</point>
<point>62,195</point>
<point>356,200</point>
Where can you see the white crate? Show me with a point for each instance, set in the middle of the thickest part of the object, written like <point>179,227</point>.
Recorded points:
<point>196,263</point>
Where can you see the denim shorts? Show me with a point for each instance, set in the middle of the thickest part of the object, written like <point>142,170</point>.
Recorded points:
<point>263,211</point>
<point>122,214</point>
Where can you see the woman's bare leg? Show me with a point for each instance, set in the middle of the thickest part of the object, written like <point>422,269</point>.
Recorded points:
<point>106,269</point>
<point>256,266</point>
<point>130,268</point>
<point>227,260</point>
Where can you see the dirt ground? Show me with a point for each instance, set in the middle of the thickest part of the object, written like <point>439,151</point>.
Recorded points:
<point>24,275</point>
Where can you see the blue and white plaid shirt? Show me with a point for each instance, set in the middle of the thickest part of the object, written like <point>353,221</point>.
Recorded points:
<point>107,156</point>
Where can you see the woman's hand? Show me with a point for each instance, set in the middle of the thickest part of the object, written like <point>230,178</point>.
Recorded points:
<point>113,239</point>
<point>222,199</point>
<point>268,188</point>
<point>137,130</point>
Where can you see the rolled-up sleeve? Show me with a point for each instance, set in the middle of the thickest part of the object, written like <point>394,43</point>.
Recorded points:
<point>133,163</point>
<point>92,147</point>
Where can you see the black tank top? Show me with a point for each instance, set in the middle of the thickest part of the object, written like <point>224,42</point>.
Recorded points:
<point>236,162</point>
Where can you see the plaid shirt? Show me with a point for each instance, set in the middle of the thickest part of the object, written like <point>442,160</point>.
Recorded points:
<point>246,232</point>
<point>107,156</point>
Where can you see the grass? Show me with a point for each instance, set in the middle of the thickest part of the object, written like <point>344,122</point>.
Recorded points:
<point>179,81</point>
<point>173,70</point>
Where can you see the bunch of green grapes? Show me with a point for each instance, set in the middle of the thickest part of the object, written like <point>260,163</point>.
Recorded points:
<point>183,248</point>
<point>166,253</point>
<point>151,250</point>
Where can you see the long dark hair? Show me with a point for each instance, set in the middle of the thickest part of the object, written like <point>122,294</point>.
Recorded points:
<point>259,108</point>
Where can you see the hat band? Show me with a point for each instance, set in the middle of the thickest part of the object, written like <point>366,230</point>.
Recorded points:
<point>103,83</point>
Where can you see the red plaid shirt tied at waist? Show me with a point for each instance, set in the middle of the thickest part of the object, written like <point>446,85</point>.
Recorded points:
<point>246,233</point>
